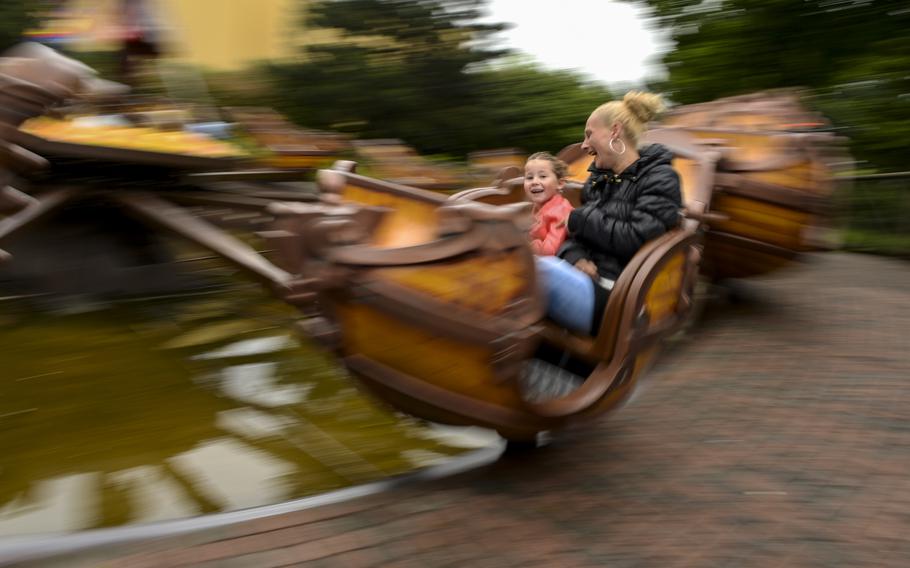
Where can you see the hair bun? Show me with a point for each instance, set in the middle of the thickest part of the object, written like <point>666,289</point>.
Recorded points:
<point>643,106</point>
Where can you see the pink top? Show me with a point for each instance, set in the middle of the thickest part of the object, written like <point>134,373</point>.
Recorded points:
<point>549,229</point>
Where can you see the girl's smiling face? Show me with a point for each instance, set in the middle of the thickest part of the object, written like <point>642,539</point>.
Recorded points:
<point>541,182</point>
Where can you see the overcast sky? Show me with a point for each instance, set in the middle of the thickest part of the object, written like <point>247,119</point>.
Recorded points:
<point>610,41</point>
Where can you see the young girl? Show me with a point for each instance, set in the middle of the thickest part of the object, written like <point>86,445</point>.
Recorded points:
<point>545,176</point>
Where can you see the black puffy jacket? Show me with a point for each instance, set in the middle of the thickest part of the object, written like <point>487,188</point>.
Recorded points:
<point>620,213</point>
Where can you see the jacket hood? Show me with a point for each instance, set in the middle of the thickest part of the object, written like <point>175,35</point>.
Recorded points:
<point>649,157</point>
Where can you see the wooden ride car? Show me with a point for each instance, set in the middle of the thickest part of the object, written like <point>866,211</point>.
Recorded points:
<point>394,161</point>
<point>776,178</point>
<point>129,137</point>
<point>486,164</point>
<point>774,184</point>
<point>433,305</point>
<point>286,145</point>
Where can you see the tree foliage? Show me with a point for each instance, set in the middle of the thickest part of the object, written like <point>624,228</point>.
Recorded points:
<point>536,109</point>
<point>399,68</point>
<point>853,55</point>
<point>428,72</point>
<point>15,17</point>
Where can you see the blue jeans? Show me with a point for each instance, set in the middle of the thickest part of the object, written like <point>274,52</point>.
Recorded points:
<point>569,293</point>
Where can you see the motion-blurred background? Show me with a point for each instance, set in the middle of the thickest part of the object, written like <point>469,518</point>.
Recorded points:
<point>450,77</point>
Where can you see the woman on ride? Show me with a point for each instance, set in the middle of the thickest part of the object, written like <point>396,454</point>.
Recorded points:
<point>545,177</point>
<point>631,196</point>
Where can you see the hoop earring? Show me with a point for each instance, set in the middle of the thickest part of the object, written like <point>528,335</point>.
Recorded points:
<point>615,151</point>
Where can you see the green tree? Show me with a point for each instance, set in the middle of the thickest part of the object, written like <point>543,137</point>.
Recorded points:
<point>425,72</point>
<point>537,109</point>
<point>851,54</point>
<point>398,66</point>
<point>16,16</point>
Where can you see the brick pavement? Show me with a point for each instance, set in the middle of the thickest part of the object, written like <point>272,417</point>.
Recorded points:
<point>775,435</point>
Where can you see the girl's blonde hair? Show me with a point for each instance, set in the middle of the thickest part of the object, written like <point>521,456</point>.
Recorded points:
<point>634,111</point>
<point>560,168</point>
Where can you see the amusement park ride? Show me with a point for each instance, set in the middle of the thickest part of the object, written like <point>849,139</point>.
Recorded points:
<point>429,299</point>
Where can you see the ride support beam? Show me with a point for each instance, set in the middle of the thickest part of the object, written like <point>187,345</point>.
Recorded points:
<point>12,200</point>
<point>48,202</point>
<point>178,221</point>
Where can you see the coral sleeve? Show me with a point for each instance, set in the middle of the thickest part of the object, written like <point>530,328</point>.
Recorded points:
<point>552,230</point>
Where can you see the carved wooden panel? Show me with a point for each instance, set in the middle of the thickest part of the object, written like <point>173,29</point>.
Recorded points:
<point>458,366</point>
<point>408,223</point>
<point>483,283</point>
<point>663,296</point>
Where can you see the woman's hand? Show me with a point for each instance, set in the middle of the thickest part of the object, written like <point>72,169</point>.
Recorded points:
<point>588,268</point>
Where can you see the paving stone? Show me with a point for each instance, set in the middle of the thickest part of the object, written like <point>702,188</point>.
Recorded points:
<point>774,435</point>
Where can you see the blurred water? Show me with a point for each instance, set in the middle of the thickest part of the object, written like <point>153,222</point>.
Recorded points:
<point>169,408</point>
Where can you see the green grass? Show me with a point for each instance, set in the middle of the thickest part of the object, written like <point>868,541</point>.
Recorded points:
<point>869,241</point>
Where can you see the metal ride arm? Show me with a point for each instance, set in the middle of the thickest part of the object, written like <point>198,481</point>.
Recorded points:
<point>49,201</point>
<point>178,221</point>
